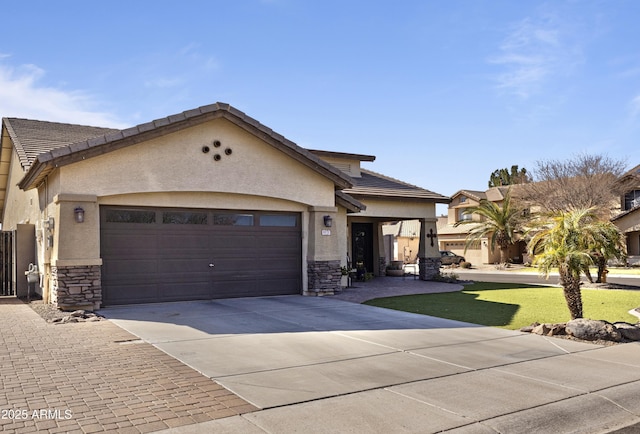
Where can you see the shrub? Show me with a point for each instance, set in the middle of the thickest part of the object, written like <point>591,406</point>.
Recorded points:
<point>465,264</point>
<point>446,278</point>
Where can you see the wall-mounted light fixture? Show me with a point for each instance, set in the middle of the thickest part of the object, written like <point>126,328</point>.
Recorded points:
<point>79,215</point>
<point>328,221</point>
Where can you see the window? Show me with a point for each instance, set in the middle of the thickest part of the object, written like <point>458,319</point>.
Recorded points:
<point>233,219</point>
<point>130,216</point>
<point>463,199</point>
<point>462,216</point>
<point>631,200</point>
<point>278,220</point>
<point>184,218</point>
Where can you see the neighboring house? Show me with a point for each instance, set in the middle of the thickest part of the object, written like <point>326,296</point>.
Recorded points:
<point>454,238</point>
<point>628,220</point>
<point>403,239</point>
<point>208,203</point>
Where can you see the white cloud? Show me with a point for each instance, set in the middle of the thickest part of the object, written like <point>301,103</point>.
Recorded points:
<point>530,55</point>
<point>22,96</point>
<point>164,82</point>
<point>634,106</point>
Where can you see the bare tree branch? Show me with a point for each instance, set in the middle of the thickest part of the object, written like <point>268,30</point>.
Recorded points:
<point>585,181</point>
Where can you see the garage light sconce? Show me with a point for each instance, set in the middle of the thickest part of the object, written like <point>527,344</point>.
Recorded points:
<point>79,215</point>
<point>328,221</point>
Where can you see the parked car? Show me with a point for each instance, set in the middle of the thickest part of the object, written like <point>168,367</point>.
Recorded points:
<point>450,258</point>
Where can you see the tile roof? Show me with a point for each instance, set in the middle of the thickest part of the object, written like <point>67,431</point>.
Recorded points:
<point>41,146</point>
<point>473,194</point>
<point>376,185</point>
<point>409,228</point>
<point>32,138</point>
<point>46,145</point>
<point>456,230</point>
<point>493,194</point>
<point>348,202</point>
<point>360,157</point>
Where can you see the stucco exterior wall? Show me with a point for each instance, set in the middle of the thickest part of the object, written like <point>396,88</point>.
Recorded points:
<point>20,206</point>
<point>400,210</point>
<point>76,243</point>
<point>173,171</point>
<point>630,226</point>
<point>629,223</point>
<point>176,162</point>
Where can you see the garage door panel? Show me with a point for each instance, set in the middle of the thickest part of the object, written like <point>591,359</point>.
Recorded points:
<point>133,292</point>
<point>186,242</point>
<point>232,262</point>
<point>118,267</point>
<point>283,241</point>
<point>158,261</point>
<point>280,286</point>
<point>231,242</point>
<point>183,265</point>
<point>179,292</point>
<point>235,288</point>
<point>124,244</point>
<point>278,266</point>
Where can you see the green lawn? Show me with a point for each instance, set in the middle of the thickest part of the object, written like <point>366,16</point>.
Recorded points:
<point>594,271</point>
<point>512,306</point>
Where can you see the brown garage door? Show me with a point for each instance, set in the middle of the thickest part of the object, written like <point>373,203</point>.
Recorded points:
<point>155,255</point>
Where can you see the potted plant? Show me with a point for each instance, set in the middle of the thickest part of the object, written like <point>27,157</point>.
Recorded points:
<point>395,268</point>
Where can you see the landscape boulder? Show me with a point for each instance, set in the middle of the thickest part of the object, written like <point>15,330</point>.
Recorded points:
<point>549,329</point>
<point>589,330</point>
<point>593,330</point>
<point>630,332</point>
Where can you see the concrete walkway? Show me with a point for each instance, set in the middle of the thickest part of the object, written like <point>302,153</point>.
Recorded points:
<point>320,365</point>
<point>392,286</point>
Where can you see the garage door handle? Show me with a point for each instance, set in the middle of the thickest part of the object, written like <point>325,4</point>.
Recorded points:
<point>211,265</point>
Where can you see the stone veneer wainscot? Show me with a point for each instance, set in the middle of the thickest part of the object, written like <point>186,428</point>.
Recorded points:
<point>429,268</point>
<point>324,277</point>
<point>76,287</point>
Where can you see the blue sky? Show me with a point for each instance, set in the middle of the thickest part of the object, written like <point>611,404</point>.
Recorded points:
<point>442,92</point>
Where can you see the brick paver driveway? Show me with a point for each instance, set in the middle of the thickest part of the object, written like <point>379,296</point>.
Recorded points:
<point>92,377</point>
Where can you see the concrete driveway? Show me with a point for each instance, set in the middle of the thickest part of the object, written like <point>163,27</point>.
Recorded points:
<point>325,365</point>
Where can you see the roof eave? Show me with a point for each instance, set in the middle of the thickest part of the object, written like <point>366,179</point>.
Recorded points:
<point>408,198</point>
<point>109,142</point>
<point>360,157</point>
<point>349,202</point>
<point>300,154</point>
<point>34,176</point>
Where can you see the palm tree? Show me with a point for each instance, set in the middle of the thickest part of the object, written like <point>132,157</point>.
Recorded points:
<point>502,224</point>
<point>606,242</point>
<point>567,240</point>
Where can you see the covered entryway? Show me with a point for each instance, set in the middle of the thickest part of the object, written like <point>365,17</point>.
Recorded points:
<point>362,245</point>
<point>156,255</point>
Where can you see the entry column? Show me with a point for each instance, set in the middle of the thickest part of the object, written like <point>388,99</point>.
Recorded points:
<point>323,258</point>
<point>428,251</point>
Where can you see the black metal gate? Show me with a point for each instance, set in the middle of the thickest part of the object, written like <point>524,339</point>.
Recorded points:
<point>6,264</point>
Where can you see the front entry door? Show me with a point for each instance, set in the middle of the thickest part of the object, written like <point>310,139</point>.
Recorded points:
<point>362,245</point>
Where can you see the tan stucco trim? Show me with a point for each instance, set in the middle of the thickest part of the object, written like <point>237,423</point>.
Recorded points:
<point>75,262</point>
<point>66,197</point>
<point>395,210</point>
<point>323,209</point>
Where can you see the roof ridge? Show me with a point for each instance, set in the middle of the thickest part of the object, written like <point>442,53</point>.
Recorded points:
<point>91,146</point>
<point>57,123</point>
<point>390,178</point>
